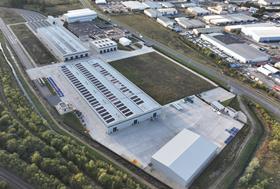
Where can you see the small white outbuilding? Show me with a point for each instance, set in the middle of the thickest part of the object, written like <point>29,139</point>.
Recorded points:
<point>124,41</point>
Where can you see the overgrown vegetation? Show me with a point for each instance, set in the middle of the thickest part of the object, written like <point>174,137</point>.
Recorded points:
<point>160,78</point>
<point>39,53</point>
<point>43,157</point>
<point>263,171</point>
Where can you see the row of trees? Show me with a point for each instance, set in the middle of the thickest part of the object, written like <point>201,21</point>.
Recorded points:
<point>45,158</point>
<point>255,175</point>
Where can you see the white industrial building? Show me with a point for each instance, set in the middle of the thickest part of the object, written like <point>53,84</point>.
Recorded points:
<point>100,2</point>
<point>152,4</point>
<point>186,5</point>
<point>124,41</point>
<point>197,11</point>
<point>271,68</point>
<point>263,34</point>
<point>62,43</point>
<point>268,2</point>
<point>104,45</point>
<point>116,101</point>
<point>134,5</point>
<point>235,49</point>
<point>168,11</point>
<point>166,22</point>
<point>207,30</point>
<point>228,19</point>
<point>217,9</point>
<point>153,13</point>
<point>80,15</point>
<point>189,23</point>
<point>166,4</point>
<point>264,71</point>
<point>184,157</point>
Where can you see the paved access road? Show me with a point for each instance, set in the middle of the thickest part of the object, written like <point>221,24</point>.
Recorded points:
<point>14,181</point>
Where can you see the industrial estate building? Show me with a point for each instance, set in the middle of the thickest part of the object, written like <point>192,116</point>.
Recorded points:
<point>152,4</point>
<point>235,48</point>
<point>104,45</point>
<point>263,34</point>
<point>61,42</point>
<point>166,22</point>
<point>168,11</point>
<point>116,101</point>
<point>197,11</point>
<point>134,5</point>
<point>268,2</point>
<point>228,19</point>
<point>189,23</point>
<point>184,157</point>
<point>207,30</point>
<point>153,13</point>
<point>80,15</point>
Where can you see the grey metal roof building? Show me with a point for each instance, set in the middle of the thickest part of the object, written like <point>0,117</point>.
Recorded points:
<point>62,43</point>
<point>115,100</point>
<point>189,23</point>
<point>184,157</point>
<point>234,48</point>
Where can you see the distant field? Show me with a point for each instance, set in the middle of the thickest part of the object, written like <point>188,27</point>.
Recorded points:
<point>47,7</point>
<point>154,30</point>
<point>160,78</point>
<point>32,44</point>
<point>10,17</point>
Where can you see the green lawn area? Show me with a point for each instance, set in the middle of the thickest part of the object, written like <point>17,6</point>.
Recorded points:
<point>160,78</point>
<point>39,53</point>
<point>9,16</point>
<point>149,27</point>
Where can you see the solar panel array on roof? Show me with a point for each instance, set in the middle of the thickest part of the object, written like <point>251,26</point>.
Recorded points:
<point>118,84</point>
<point>108,94</point>
<point>115,99</point>
<point>103,113</point>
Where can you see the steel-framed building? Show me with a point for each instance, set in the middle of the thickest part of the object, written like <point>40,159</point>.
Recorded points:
<point>80,15</point>
<point>116,101</point>
<point>62,43</point>
<point>184,157</point>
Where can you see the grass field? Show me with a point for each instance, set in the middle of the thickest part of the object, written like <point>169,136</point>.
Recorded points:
<point>154,30</point>
<point>10,17</point>
<point>33,46</point>
<point>160,78</point>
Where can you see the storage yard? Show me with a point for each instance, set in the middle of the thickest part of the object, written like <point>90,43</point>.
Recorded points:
<point>160,78</point>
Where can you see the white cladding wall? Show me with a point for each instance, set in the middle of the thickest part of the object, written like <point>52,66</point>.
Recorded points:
<point>131,122</point>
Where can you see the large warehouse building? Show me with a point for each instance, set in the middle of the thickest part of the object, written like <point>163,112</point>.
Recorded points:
<point>228,19</point>
<point>235,48</point>
<point>61,42</point>
<point>189,23</point>
<point>184,157</point>
<point>80,15</point>
<point>116,101</point>
<point>263,34</point>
